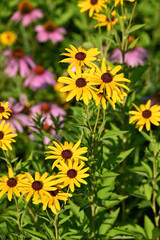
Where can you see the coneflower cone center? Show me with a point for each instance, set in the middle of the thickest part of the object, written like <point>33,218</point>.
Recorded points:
<point>49,26</point>
<point>81,82</point>
<point>25,7</point>
<point>12,182</point>
<point>39,70</point>
<point>1,135</point>
<point>93,2</point>
<point>54,193</point>
<point>45,126</point>
<point>1,109</point>
<point>146,113</point>
<point>106,77</point>
<point>17,53</point>
<point>45,107</point>
<point>66,154</point>
<point>72,173</point>
<point>37,185</point>
<point>80,56</point>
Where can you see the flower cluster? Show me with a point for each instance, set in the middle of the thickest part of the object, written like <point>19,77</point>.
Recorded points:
<point>48,189</point>
<point>90,81</point>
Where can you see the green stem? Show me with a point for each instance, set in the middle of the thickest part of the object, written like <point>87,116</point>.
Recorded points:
<point>87,112</point>
<point>130,21</point>
<point>92,207</point>
<point>56,226</point>
<point>18,218</point>
<point>95,126</point>
<point>154,183</point>
<point>102,126</point>
<point>7,159</point>
<point>25,39</point>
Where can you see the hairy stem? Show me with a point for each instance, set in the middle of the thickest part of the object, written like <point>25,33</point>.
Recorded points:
<point>154,183</point>
<point>18,218</point>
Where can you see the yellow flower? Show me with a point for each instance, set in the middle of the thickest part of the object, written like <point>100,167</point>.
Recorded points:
<point>39,187</point>
<point>5,111</point>
<point>121,2</point>
<point>105,20</point>
<point>6,136</point>
<point>65,152</point>
<point>10,185</point>
<point>145,115</point>
<point>111,83</point>
<point>52,201</point>
<point>91,5</point>
<point>80,57</point>
<point>79,85</point>
<point>8,38</point>
<point>72,173</point>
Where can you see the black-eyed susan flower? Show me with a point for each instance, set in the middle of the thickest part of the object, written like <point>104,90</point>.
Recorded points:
<point>72,173</point>
<point>8,38</point>
<point>79,84</point>
<point>6,136</point>
<point>92,6</point>
<point>37,187</point>
<point>62,153</point>
<point>110,81</point>
<point>52,201</point>
<point>145,115</point>
<point>101,98</point>
<point>105,20</point>
<point>10,184</point>
<point>80,57</point>
<point>121,2</point>
<point>5,111</point>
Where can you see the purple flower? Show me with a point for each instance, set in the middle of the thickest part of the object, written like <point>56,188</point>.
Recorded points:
<point>49,31</point>
<point>136,56</point>
<point>39,78</point>
<point>18,120</point>
<point>26,13</point>
<point>18,60</point>
<point>46,109</point>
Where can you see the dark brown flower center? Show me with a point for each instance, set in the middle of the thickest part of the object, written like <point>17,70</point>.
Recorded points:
<point>37,185</point>
<point>110,20</point>
<point>146,113</point>
<point>39,70</point>
<point>81,82</point>
<point>72,173</point>
<point>80,56</point>
<point>49,26</point>
<point>25,7</point>
<point>1,135</point>
<point>66,154</point>
<point>45,107</point>
<point>54,193</point>
<point>17,53</point>
<point>106,77</point>
<point>12,182</point>
<point>93,2</point>
<point>1,109</point>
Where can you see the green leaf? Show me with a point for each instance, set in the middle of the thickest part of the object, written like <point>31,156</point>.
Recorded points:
<point>36,235</point>
<point>108,222</point>
<point>112,133</point>
<point>137,74</point>
<point>50,232</point>
<point>64,220</point>
<point>135,27</point>
<point>148,226</point>
<point>132,45</point>
<point>146,136</point>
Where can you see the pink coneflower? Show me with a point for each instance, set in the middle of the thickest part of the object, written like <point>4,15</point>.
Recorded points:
<point>46,109</point>
<point>18,120</point>
<point>136,56</point>
<point>49,31</point>
<point>39,77</point>
<point>26,13</point>
<point>18,60</point>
